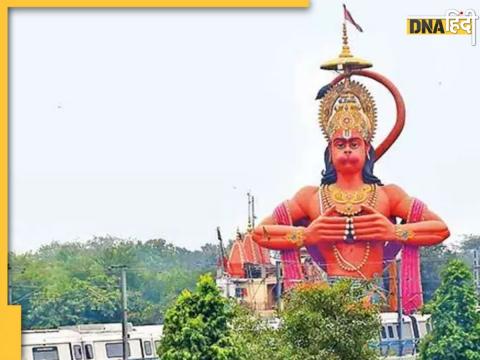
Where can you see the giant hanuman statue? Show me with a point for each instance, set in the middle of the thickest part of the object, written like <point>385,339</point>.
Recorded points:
<point>351,224</point>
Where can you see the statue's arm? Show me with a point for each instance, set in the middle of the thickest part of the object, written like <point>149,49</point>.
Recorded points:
<point>280,237</point>
<point>431,230</point>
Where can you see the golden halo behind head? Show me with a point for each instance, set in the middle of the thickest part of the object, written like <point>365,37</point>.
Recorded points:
<point>348,106</point>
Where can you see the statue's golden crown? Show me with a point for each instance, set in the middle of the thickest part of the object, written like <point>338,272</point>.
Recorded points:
<point>348,106</point>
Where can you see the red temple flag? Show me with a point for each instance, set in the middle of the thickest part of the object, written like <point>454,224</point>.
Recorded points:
<point>349,17</point>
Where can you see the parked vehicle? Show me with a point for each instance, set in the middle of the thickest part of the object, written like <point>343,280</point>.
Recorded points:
<point>91,342</point>
<point>414,328</point>
<point>104,341</point>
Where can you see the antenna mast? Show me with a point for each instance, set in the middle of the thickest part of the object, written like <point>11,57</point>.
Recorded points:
<point>249,224</point>
<point>222,250</point>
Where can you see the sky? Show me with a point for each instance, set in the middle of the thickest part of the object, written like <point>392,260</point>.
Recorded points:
<point>155,123</point>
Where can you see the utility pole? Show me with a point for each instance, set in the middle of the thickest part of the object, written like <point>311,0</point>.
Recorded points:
<point>9,276</point>
<point>123,286</point>
<point>278,285</point>
<point>399,306</point>
<point>124,314</point>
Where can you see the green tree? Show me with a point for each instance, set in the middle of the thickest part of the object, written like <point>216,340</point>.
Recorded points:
<point>470,242</point>
<point>433,259</point>
<point>73,302</point>
<point>71,283</point>
<point>456,321</point>
<point>318,322</point>
<point>253,337</point>
<point>197,326</point>
<point>330,323</point>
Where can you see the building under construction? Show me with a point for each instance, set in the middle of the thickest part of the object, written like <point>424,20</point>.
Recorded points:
<point>254,275</point>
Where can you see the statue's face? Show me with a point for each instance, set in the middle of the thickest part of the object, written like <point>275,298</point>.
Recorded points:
<point>348,153</point>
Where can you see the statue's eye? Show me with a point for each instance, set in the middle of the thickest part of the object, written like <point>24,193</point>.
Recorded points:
<point>340,145</point>
<point>354,144</point>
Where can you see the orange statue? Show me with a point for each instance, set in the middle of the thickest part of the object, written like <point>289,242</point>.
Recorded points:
<point>348,222</point>
<point>349,205</point>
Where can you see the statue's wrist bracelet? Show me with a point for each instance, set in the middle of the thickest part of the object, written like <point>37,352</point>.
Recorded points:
<point>402,233</point>
<point>296,236</point>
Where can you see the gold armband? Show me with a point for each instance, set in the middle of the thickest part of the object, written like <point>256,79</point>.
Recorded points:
<point>297,237</point>
<point>402,233</point>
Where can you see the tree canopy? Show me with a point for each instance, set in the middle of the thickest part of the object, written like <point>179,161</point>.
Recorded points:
<point>456,320</point>
<point>197,326</point>
<point>433,259</point>
<point>73,283</point>
<point>318,322</point>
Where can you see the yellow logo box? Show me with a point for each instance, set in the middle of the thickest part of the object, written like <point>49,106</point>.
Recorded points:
<point>439,26</point>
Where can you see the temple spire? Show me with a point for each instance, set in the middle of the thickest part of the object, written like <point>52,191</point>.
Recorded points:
<point>345,48</point>
<point>346,61</point>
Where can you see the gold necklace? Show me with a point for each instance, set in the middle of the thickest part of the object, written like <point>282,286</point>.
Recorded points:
<point>346,265</point>
<point>349,202</point>
<point>366,193</point>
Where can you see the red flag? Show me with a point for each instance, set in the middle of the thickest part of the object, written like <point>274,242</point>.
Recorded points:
<point>349,17</point>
